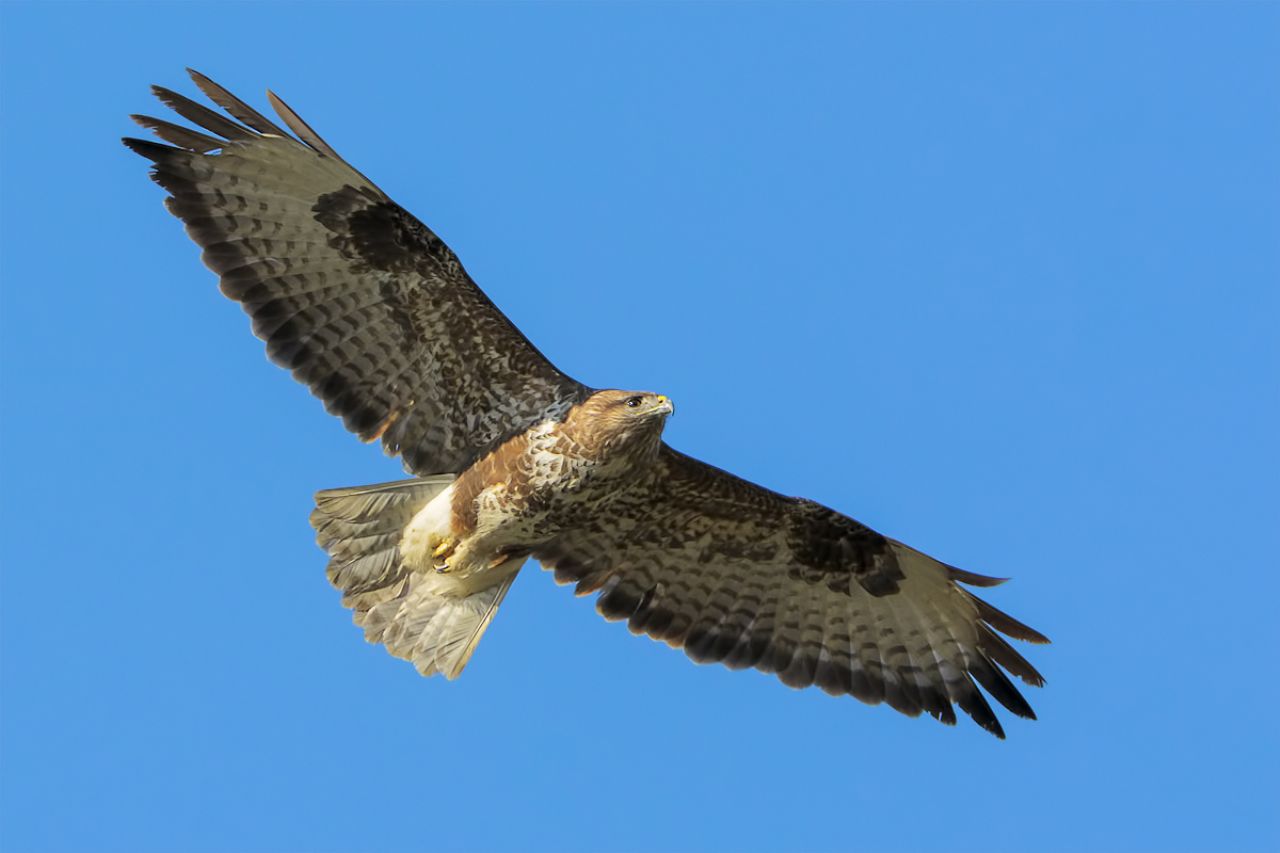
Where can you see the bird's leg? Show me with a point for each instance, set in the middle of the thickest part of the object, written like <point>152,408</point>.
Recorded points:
<point>443,551</point>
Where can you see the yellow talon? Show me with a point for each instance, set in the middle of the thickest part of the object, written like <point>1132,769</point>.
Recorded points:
<point>443,548</point>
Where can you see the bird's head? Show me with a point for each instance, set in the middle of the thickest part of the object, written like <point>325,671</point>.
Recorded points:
<point>631,421</point>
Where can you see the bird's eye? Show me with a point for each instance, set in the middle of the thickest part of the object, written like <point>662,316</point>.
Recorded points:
<point>632,402</point>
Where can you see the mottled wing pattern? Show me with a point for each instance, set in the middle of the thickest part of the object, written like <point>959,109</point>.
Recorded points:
<point>736,574</point>
<point>360,300</point>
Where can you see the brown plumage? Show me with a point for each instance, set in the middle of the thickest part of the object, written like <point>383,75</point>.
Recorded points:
<point>368,308</point>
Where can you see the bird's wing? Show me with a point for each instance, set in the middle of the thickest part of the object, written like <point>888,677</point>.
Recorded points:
<point>352,294</point>
<point>736,574</point>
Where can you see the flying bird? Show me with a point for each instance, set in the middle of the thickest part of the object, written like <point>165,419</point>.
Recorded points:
<point>513,459</point>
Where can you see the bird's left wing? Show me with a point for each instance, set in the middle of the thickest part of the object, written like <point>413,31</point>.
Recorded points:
<point>737,574</point>
<point>360,300</point>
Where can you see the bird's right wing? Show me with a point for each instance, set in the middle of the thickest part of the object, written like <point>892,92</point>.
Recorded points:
<point>737,574</point>
<point>360,300</point>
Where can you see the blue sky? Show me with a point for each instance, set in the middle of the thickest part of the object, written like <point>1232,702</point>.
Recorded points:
<point>999,280</point>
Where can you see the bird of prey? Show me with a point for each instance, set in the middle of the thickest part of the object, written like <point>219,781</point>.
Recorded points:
<point>512,459</point>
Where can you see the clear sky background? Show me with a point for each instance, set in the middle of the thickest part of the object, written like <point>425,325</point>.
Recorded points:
<point>1001,280</point>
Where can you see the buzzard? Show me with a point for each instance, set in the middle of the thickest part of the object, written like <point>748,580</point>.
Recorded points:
<point>513,459</point>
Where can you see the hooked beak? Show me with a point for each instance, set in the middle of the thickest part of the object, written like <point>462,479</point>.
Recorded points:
<point>665,405</point>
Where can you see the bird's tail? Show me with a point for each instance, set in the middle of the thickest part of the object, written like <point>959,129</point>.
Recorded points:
<point>433,620</point>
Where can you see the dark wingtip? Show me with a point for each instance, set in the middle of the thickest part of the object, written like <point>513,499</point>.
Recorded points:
<point>296,123</point>
<point>998,685</point>
<point>201,115</point>
<point>234,106</point>
<point>183,137</point>
<point>201,80</point>
<point>153,151</point>
<point>989,723</point>
<point>1006,624</point>
<point>994,646</point>
<point>973,578</point>
<point>973,703</point>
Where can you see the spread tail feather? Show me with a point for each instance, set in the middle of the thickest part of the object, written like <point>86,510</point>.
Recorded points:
<point>433,620</point>
<point>430,624</point>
